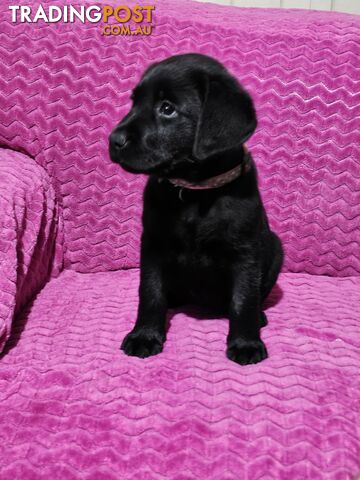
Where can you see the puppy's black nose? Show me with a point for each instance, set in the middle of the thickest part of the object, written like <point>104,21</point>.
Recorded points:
<point>118,139</point>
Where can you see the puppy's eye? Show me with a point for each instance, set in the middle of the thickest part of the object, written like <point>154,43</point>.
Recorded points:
<point>167,109</point>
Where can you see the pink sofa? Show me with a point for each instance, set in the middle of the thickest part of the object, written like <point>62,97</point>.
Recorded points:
<point>72,405</point>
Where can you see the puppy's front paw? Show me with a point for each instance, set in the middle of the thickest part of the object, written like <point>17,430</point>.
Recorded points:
<point>143,343</point>
<point>246,351</point>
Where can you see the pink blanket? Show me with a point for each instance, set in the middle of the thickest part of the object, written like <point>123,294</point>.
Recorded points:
<point>72,405</point>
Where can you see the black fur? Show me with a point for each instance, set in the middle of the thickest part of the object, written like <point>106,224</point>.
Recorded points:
<point>214,247</point>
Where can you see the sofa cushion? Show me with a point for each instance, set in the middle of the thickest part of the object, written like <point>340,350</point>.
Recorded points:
<point>73,406</point>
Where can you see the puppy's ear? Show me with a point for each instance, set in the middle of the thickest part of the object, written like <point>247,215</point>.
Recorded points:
<point>227,118</point>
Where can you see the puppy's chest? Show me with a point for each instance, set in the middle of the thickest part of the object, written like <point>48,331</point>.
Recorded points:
<point>199,235</point>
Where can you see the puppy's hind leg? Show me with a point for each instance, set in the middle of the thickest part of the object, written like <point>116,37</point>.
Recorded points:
<point>270,274</point>
<point>263,319</point>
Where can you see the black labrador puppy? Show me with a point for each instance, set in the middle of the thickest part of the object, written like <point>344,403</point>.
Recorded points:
<point>206,239</point>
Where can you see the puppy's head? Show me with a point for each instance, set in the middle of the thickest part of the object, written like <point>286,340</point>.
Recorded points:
<point>186,110</point>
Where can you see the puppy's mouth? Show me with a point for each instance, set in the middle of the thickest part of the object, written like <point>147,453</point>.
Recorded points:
<point>164,171</point>
<point>166,168</point>
<point>142,169</point>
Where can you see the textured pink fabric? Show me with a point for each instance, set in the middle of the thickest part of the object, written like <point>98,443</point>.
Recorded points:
<point>64,86</point>
<point>72,405</point>
<point>28,230</point>
<point>81,409</point>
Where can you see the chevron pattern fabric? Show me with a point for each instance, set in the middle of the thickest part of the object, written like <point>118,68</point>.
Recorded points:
<point>72,405</point>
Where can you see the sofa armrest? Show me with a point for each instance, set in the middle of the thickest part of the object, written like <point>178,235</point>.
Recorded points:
<point>28,229</point>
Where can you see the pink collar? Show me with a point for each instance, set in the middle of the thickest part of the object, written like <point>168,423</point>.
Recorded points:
<point>214,182</point>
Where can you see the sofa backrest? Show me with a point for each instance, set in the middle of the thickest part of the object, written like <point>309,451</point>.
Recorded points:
<point>64,86</point>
